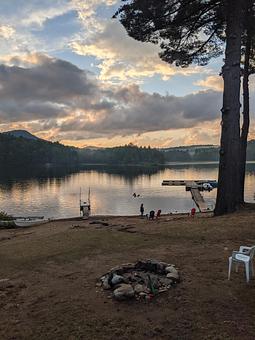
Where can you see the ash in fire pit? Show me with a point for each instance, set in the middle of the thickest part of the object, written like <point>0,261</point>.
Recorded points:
<point>141,280</point>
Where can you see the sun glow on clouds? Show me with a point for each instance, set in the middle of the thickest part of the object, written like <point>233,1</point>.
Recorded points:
<point>52,94</point>
<point>123,58</point>
<point>57,100</point>
<point>211,82</point>
<point>204,133</point>
<point>87,9</point>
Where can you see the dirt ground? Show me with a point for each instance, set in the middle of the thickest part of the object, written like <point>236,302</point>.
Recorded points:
<point>52,270</point>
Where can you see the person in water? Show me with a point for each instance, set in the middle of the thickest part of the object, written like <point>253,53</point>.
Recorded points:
<point>142,209</point>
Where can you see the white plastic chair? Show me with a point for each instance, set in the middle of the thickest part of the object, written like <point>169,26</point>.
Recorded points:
<point>245,256</point>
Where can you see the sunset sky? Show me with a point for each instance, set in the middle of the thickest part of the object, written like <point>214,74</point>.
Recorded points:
<point>69,72</point>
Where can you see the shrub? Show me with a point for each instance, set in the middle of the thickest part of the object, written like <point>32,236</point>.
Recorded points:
<point>5,217</point>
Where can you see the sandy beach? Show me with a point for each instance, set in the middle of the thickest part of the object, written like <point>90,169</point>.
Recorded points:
<point>48,278</point>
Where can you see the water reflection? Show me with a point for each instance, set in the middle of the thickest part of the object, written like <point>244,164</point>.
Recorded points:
<point>54,192</point>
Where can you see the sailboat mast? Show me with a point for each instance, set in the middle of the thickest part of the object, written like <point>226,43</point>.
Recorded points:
<point>80,200</point>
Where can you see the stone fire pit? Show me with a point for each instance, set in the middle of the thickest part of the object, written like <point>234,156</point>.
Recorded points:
<point>141,280</point>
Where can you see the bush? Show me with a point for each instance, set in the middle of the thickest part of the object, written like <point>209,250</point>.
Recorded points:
<point>5,217</point>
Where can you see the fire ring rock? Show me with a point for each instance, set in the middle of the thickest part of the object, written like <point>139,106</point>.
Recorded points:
<point>174,276</point>
<point>141,280</point>
<point>117,279</point>
<point>171,269</point>
<point>124,292</point>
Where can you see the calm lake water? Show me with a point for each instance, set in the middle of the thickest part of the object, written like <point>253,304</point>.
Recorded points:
<point>55,192</point>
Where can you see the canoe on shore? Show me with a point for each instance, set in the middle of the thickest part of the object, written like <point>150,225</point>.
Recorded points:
<point>23,222</point>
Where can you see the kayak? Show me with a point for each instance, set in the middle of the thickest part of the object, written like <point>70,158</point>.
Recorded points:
<point>29,222</point>
<point>23,222</point>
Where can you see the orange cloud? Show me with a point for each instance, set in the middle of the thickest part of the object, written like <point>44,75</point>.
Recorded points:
<point>121,57</point>
<point>211,82</point>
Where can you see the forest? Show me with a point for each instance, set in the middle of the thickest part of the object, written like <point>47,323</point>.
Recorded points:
<point>127,154</point>
<point>19,151</point>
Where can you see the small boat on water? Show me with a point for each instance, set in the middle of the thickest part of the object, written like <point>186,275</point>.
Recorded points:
<point>23,222</point>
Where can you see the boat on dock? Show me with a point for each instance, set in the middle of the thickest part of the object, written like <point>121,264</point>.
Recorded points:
<point>189,183</point>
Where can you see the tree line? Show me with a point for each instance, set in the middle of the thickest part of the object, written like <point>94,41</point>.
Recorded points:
<point>204,154</point>
<point>23,152</point>
<point>20,151</point>
<point>127,154</point>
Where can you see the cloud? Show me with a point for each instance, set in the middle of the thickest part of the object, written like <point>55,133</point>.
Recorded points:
<point>203,133</point>
<point>58,100</point>
<point>23,26</point>
<point>120,56</point>
<point>212,82</point>
<point>52,94</point>
<point>85,28</point>
<point>32,13</point>
<point>25,60</point>
<point>86,9</point>
<point>48,89</point>
<point>6,31</point>
<point>139,112</point>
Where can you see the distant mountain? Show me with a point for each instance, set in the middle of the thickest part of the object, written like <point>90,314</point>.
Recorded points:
<point>21,148</point>
<point>21,133</point>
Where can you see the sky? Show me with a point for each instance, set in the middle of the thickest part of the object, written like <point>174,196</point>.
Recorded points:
<point>70,73</point>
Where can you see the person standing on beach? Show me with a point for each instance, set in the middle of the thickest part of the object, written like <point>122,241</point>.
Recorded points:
<point>152,215</point>
<point>192,212</point>
<point>142,209</point>
<point>158,214</point>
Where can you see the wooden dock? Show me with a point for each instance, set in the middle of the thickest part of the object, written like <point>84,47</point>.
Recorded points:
<point>193,187</point>
<point>199,199</point>
<point>189,183</point>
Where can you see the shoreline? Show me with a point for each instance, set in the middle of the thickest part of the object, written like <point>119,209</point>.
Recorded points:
<point>95,217</point>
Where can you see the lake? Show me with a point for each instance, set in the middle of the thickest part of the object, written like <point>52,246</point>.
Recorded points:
<point>54,192</point>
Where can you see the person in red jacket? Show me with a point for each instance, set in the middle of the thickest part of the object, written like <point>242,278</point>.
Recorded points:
<point>158,214</point>
<point>192,212</point>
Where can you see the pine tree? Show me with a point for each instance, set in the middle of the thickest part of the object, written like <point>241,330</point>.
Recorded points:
<point>229,167</point>
<point>193,31</point>
<point>248,69</point>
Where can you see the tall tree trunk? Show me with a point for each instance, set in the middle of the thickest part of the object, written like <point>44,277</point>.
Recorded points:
<point>246,116</point>
<point>246,104</point>
<point>229,180</point>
